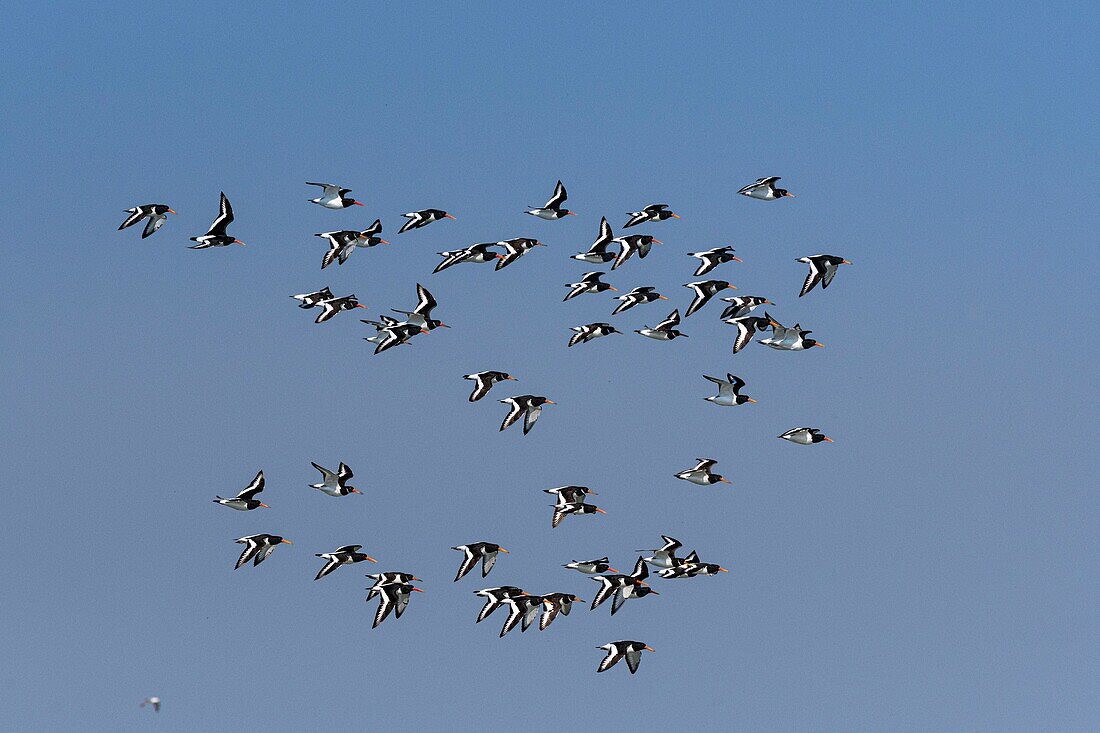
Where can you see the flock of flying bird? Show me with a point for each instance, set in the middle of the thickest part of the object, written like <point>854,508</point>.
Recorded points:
<point>394,589</point>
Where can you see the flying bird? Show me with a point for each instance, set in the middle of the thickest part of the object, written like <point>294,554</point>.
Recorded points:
<point>621,587</point>
<point>565,509</point>
<point>332,197</point>
<point>484,381</point>
<point>702,474</point>
<point>590,331</point>
<point>805,436</point>
<point>629,650</point>
<point>747,326</point>
<point>665,555</point>
<point>418,219</point>
<point>486,552</point>
<point>529,406</point>
<point>711,258</point>
<point>790,339</point>
<point>154,702</point>
<point>691,567</point>
<point>514,249</point>
<point>393,597</point>
<point>312,300</point>
<point>570,494</point>
<point>591,567</point>
<point>477,253</point>
<point>729,391</point>
<point>555,603</point>
<point>631,243</point>
<point>332,306</point>
<point>257,547</point>
<point>421,315</point>
<point>665,330</point>
<point>597,254</point>
<point>345,555</point>
<point>523,607</point>
<point>381,579</point>
<point>335,484</point>
<point>742,305</point>
<point>216,236</point>
<point>637,296</point>
<point>822,270</point>
<point>392,334</point>
<point>495,598</point>
<point>704,291</point>
<point>345,241</point>
<point>589,283</point>
<point>553,209</point>
<point>246,500</point>
<point>156,213</point>
<point>653,212</point>
<point>765,190</point>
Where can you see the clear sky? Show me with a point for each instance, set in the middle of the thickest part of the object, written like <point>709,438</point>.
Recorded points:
<point>934,569</point>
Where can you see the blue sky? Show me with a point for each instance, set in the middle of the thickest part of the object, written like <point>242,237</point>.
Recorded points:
<point>934,569</point>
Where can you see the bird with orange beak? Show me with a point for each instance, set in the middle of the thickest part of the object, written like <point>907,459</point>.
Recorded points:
<point>335,483</point>
<point>246,500</point>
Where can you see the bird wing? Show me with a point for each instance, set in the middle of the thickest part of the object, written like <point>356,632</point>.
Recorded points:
<point>745,332</point>
<point>136,214</point>
<point>561,511</point>
<point>671,544</point>
<point>331,190</point>
<point>217,228</point>
<point>481,387</point>
<point>633,659</point>
<point>415,219</point>
<point>549,613</point>
<point>331,563</point>
<point>253,488</point>
<point>343,473</point>
<point>558,198</point>
<point>636,217</point>
<point>531,417</point>
<point>265,551</point>
<point>607,587</point>
<point>705,464</point>
<point>617,601</point>
<point>468,560</point>
<point>826,278</point>
<point>812,279</point>
<point>612,658</point>
<point>488,560</point>
<point>515,613</point>
<point>156,221</point>
<point>736,383</point>
<point>251,547</point>
<point>329,308</point>
<point>700,299</point>
<point>425,301</point>
<point>385,605</point>
<point>514,412</point>
<point>671,321</point>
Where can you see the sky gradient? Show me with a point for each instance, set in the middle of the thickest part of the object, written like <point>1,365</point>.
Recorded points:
<point>934,569</point>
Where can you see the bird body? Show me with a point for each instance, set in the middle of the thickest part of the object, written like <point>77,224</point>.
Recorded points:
<point>589,332</point>
<point>765,190</point>
<point>343,242</point>
<point>564,509</point>
<point>246,500</point>
<point>495,598</point>
<point>484,381</point>
<point>631,243</point>
<point>591,567</point>
<point>637,296</point>
<point>216,235</point>
<point>477,253</point>
<point>392,597</point>
<point>589,283</point>
<point>705,290</point>
<point>729,391</point>
<point>665,330</point>
<point>702,474</point>
<point>665,555</point>
<point>335,483</point>
<point>553,208</point>
<point>711,258</point>
<point>332,306</point>
<point>422,218</point>
<point>597,254</point>
<point>156,214</point>
<point>346,555</point>
<point>789,339</point>
<point>486,552</point>
<point>258,547</point>
<point>822,270</point>
<point>631,651</point>
<point>653,212</point>
<point>805,436</point>
<point>529,406</point>
<point>514,249</point>
<point>333,197</point>
<point>742,305</point>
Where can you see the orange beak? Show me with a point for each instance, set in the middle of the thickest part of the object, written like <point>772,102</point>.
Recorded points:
<point>828,439</point>
<point>360,305</point>
<point>265,506</point>
<point>612,570</point>
<point>505,551</point>
<point>237,241</point>
<point>551,402</point>
<point>448,216</point>
<point>611,288</point>
<point>358,203</point>
<point>789,194</point>
<point>286,542</point>
<point>731,287</point>
<point>675,216</point>
<point>723,570</point>
<point>649,648</point>
<point>424,330</point>
<point>820,344</point>
<point>724,480</point>
<point>843,262</point>
<point>356,491</point>
<point>511,378</point>
<point>417,590</point>
<point>662,297</point>
<point>751,400</point>
<point>170,211</point>
<point>737,259</point>
<point>371,559</point>
<point>572,213</point>
<point>600,511</point>
<point>382,241</point>
<point>657,241</point>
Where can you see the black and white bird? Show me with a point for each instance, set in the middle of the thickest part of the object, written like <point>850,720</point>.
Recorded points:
<point>711,258</point>
<point>392,334</point>
<point>393,597</point>
<point>653,212</point>
<point>790,339</point>
<point>153,702</point>
<point>597,254</point>
<point>495,598</point>
<point>333,197</point>
<point>637,296</point>
<point>246,500</point>
<point>589,283</point>
<point>156,213</point>
<point>570,494</point>
<point>705,290</point>
<point>702,474</point>
<point>665,330</point>
<point>484,381</point>
<point>564,509</point>
<point>629,650</point>
<point>590,331</point>
<point>524,607</point>
<point>418,219</point>
<point>553,208</point>
<point>691,567</point>
<point>665,555</point>
<point>514,249</point>
<point>345,241</point>
<point>729,391</point>
<point>765,189</point>
<point>381,579</point>
<point>591,567</point>
<point>421,315</point>
<point>529,406</point>
<point>332,306</point>
<point>345,555</point>
<point>335,484</point>
<point>631,243</point>
<point>742,305</point>
<point>555,603</point>
<point>822,270</point>
<point>486,552</point>
<point>619,588</point>
<point>257,547</point>
<point>747,326</point>
<point>477,253</point>
<point>312,300</point>
<point>805,436</point>
<point>216,236</point>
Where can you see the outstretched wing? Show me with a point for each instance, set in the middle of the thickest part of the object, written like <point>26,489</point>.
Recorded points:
<point>253,488</point>
<point>515,410</point>
<point>812,279</point>
<point>531,417</point>
<point>136,214</point>
<point>633,659</point>
<point>217,228</point>
<point>558,198</point>
<point>251,547</point>
<point>156,221</point>
<point>612,658</point>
